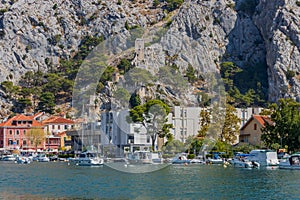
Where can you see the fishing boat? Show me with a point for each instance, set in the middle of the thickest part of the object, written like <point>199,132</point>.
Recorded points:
<point>291,162</point>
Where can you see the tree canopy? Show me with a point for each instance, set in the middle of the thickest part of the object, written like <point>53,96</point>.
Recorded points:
<point>285,126</point>
<point>153,116</point>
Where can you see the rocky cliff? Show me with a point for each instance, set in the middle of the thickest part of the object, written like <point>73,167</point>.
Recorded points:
<point>279,24</point>
<point>36,34</point>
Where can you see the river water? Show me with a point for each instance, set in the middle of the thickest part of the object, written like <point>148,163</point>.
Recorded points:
<point>62,181</point>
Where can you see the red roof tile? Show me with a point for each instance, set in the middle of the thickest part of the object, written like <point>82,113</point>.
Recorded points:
<point>21,117</point>
<point>61,133</point>
<point>261,119</point>
<point>57,120</point>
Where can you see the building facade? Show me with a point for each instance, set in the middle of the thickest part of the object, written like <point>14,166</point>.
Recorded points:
<point>54,126</point>
<point>22,132</point>
<point>246,113</point>
<point>251,132</point>
<point>118,135</point>
<point>186,122</point>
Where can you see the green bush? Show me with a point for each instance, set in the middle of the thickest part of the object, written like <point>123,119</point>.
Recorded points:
<point>54,7</point>
<point>2,11</point>
<point>174,4</point>
<point>191,156</point>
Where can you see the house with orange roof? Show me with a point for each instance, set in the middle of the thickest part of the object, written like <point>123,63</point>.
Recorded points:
<point>55,126</point>
<point>17,133</point>
<point>65,141</point>
<point>251,131</point>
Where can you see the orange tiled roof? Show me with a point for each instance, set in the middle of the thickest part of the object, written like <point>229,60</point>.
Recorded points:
<point>21,117</point>
<point>57,120</point>
<point>261,119</point>
<point>37,115</point>
<point>61,133</point>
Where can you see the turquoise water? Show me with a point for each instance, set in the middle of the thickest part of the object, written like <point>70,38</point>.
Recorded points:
<point>60,181</point>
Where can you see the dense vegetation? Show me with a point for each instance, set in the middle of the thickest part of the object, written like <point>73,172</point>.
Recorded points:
<point>284,131</point>
<point>41,91</point>
<point>153,116</point>
<point>245,87</point>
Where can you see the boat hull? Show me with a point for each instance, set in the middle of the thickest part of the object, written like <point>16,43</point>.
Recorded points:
<point>23,160</point>
<point>293,167</point>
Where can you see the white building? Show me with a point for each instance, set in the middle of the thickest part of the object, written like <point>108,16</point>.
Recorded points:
<point>186,122</point>
<point>119,135</point>
<point>246,113</point>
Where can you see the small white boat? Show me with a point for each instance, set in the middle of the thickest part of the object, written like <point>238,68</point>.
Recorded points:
<point>264,157</point>
<point>87,159</point>
<point>181,159</point>
<point>291,162</point>
<point>197,161</point>
<point>215,161</point>
<point>241,161</point>
<point>244,164</point>
<point>9,157</point>
<point>23,160</point>
<point>42,158</point>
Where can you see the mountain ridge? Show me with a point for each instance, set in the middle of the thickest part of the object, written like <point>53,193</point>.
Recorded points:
<point>35,35</point>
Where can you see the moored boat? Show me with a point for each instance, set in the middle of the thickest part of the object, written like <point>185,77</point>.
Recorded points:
<point>87,159</point>
<point>42,158</point>
<point>9,157</point>
<point>291,162</point>
<point>180,159</point>
<point>264,157</point>
<point>23,160</point>
<point>241,161</point>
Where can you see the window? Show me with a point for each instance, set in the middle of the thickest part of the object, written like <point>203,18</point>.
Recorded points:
<point>18,142</point>
<point>255,127</point>
<point>24,142</point>
<point>148,139</point>
<point>10,132</point>
<point>58,127</point>
<point>246,139</point>
<point>10,142</point>
<point>53,127</point>
<point>18,132</point>
<point>24,132</point>
<point>66,127</point>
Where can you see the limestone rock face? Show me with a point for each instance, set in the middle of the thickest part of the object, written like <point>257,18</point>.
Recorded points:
<point>37,34</point>
<point>32,33</point>
<point>279,24</point>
